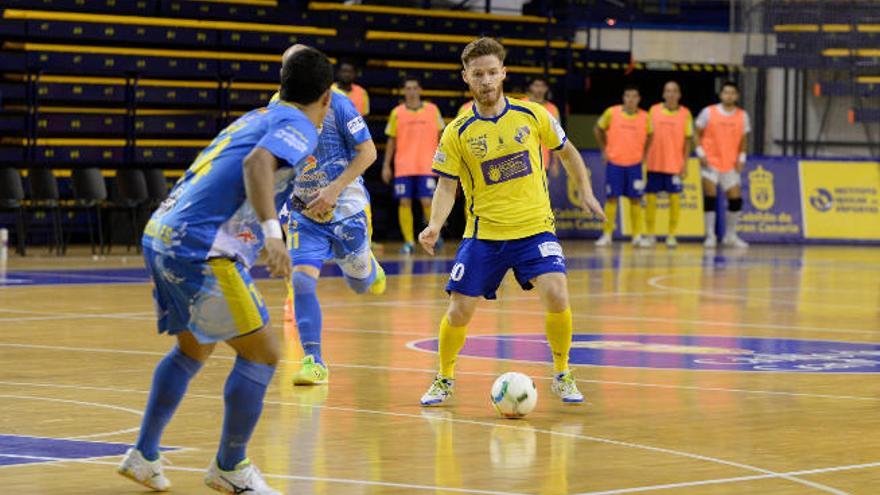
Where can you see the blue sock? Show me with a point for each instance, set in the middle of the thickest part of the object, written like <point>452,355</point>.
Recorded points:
<point>362,285</point>
<point>243,395</point>
<point>308,314</point>
<point>170,380</point>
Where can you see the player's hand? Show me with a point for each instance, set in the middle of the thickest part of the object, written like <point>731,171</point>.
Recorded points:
<point>324,202</point>
<point>704,163</point>
<point>740,166</point>
<point>386,175</point>
<point>684,171</point>
<point>591,204</point>
<point>428,238</point>
<point>277,258</point>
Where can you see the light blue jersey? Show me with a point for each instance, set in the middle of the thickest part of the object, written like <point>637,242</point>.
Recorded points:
<point>207,214</point>
<point>342,130</point>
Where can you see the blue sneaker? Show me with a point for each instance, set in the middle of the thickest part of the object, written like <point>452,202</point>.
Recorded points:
<point>408,248</point>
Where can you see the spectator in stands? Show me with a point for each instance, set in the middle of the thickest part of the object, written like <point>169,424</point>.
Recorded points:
<point>624,134</point>
<point>345,75</point>
<point>721,138</point>
<point>667,158</point>
<point>537,92</point>
<point>413,132</point>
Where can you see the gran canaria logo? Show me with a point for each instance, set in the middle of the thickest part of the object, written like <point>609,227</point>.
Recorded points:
<point>761,191</point>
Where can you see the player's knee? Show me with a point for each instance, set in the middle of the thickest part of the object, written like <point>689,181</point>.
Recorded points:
<point>406,202</point>
<point>709,203</point>
<point>735,204</point>
<point>304,284</point>
<point>556,296</point>
<point>459,315</point>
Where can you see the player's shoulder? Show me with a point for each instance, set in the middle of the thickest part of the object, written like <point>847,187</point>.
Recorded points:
<point>430,106</point>
<point>527,106</point>
<point>292,120</point>
<point>458,123</point>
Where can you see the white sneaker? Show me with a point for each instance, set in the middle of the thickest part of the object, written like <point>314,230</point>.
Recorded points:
<point>245,478</point>
<point>646,241</point>
<point>565,387</point>
<point>734,241</point>
<point>148,473</point>
<point>710,242</point>
<point>440,391</point>
<point>605,240</point>
<point>671,241</point>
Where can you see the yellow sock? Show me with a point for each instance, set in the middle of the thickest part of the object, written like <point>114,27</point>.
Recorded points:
<point>650,212</point>
<point>451,341</point>
<point>369,212</point>
<point>405,216</point>
<point>558,328</point>
<point>635,215</point>
<point>426,212</point>
<point>610,215</point>
<point>674,211</point>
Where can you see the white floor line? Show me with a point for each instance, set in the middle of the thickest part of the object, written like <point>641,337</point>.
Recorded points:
<point>431,371</point>
<point>501,424</point>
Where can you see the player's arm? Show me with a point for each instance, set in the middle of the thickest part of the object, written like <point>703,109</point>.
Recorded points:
<point>441,207</point>
<point>700,128</point>
<point>259,182</point>
<point>325,201</point>
<point>387,173</point>
<point>688,145</point>
<point>743,146</point>
<point>577,170</point>
<point>601,138</point>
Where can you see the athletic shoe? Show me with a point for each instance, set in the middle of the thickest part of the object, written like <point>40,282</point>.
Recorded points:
<point>565,387</point>
<point>148,473</point>
<point>671,241</point>
<point>244,479</point>
<point>603,241</point>
<point>734,241</point>
<point>407,248</point>
<point>710,242</point>
<point>646,241</point>
<point>311,373</point>
<point>378,286</point>
<point>440,391</point>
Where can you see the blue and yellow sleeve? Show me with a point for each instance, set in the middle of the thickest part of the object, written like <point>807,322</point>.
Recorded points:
<point>605,120</point>
<point>551,132</point>
<point>447,158</point>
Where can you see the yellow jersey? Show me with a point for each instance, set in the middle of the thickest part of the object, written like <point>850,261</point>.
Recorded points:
<point>498,161</point>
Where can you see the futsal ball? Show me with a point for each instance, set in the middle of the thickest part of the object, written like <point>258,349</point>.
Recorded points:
<point>514,395</point>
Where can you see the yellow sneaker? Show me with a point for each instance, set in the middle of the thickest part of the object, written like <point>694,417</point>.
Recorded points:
<point>378,287</point>
<point>311,373</point>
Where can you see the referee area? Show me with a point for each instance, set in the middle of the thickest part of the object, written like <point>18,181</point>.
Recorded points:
<point>725,316</point>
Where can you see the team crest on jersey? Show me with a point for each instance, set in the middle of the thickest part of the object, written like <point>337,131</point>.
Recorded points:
<point>761,191</point>
<point>311,163</point>
<point>522,134</point>
<point>479,146</point>
<point>506,168</point>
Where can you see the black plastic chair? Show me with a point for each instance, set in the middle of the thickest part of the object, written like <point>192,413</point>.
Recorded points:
<point>131,196</point>
<point>11,198</point>
<point>44,195</point>
<point>157,187</point>
<point>89,192</point>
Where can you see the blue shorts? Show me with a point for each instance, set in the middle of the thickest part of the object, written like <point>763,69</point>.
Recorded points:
<point>624,181</point>
<point>480,265</point>
<point>346,242</point>
<point>414,186</point>
<point>660,182</point>
<point>216,299</point>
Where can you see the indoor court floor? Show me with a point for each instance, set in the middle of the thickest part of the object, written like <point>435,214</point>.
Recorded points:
<point>746,372</point>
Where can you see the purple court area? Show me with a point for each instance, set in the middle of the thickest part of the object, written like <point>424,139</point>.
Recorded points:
<point>685,352</point>
<point>23,449</point>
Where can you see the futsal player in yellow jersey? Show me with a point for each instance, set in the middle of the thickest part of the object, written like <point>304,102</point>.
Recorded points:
<point>494,150</point>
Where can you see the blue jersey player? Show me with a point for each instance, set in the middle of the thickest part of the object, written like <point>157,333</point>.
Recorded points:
<point>199,246</point>
<point>328,221</point>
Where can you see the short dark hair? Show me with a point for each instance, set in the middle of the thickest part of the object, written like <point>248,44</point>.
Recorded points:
<point>631,87</point>
<point>305,76</point>
<point>482,47</point>
<point>730,84</point>
<point>412,78</point>
<point>539,78</point>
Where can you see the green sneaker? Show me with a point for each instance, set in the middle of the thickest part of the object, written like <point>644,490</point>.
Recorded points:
<point>378,286</point>
<point>311,373</point>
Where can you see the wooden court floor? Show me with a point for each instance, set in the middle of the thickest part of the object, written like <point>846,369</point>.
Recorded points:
<point>746,372</point>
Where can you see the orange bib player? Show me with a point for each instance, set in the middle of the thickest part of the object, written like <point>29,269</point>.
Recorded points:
<point>667,158</point>
<point>413,132</point>
<point>355,92</point>
<point>537,93</point>
<point>624,134</point>
<point>722,130</point>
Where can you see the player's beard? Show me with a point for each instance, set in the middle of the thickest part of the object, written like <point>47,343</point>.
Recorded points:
<point>488,98</point>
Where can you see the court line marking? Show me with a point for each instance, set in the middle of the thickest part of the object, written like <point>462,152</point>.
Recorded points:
<point>737,479</point>
<point>83,403</point>
<point>434,371</point>
<point>500,424</point>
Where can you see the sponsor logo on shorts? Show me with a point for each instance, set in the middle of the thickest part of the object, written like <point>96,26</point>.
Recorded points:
<point>506,168</point>
<point>356,125</point>
<point>550,249</point>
